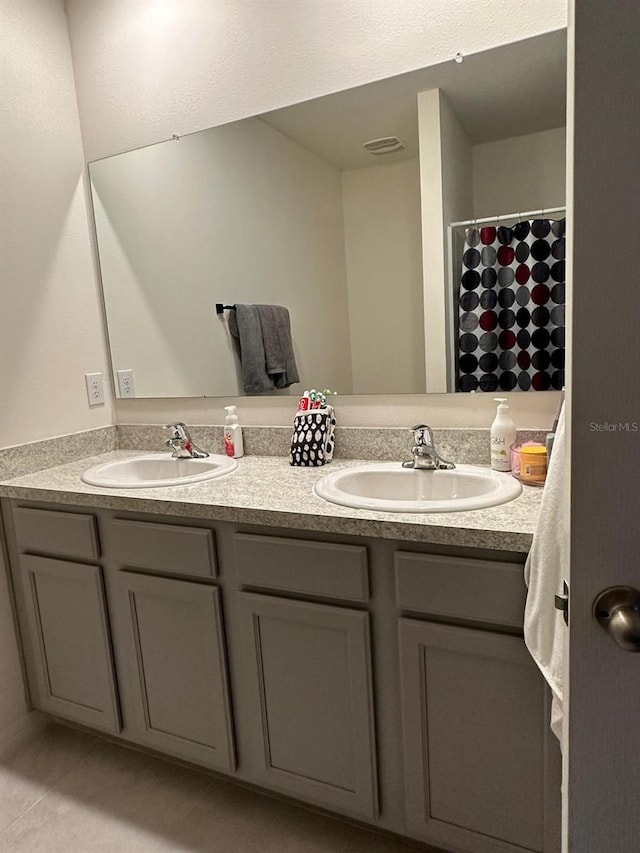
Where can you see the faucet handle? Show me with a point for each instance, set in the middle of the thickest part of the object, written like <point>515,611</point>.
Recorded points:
<point>425,456</point>
<point>423,435</point>
<point>179,431</point>
<point>182,443</point>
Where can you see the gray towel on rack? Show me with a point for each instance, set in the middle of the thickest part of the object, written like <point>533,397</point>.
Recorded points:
<point>278,347</point>
<point>245,326</point>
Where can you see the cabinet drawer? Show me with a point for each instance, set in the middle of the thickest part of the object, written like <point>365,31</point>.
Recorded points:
<point>454,587</point>
<point>324,569</point>
<point>64,534</point>
<point>168,548</point>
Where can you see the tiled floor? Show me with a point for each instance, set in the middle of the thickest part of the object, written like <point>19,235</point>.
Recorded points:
<point>66,792</point>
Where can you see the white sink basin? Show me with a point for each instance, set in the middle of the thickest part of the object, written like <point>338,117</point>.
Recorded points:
<point>157,469</point>
<point>389,487</point>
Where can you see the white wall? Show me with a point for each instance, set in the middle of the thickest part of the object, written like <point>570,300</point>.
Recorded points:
<point>445,189</point>
<point>457,182</point>
<point>534,411</point>
<point>520,174</point>
<point>382,236</point>
<point>220,216</point>
<point>433,267</point>
<point>50,322</point>
<point>50,319</point>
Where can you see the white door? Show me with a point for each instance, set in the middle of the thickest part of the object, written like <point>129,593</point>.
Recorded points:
<point>602,755</point>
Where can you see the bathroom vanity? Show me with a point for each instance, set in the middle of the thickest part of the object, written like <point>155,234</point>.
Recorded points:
<point>368,664</point>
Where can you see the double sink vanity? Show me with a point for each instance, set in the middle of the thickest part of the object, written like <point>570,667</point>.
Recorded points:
<point>283,627</point>
<point>348,636</point>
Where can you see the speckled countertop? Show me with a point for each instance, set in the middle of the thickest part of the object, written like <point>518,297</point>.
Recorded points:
<point>266,490</point>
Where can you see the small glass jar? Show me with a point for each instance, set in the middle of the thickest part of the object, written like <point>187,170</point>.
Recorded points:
<point>529,463</point>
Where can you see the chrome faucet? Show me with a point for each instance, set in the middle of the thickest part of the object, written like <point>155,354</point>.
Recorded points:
<point>181,443</point>
<point>425,455</point>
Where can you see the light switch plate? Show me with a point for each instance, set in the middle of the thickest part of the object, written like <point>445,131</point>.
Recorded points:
<point>125,383</point>
<point>95,389</point>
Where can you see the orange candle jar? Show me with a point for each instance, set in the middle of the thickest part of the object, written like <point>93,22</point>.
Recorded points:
<point>533,464</point>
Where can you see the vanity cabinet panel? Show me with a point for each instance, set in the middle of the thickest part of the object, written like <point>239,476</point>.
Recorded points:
<point>169,640</point>
<point>63,534</point>
<point>169,548</point>
<point>309,671</point>
<point>323,569</point>
<point>475,726</point>
<point>67,641</point>
<point>461,588</point>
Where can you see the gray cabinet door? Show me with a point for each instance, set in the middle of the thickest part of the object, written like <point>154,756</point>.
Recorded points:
<point>68,645</point>
<point>480,763</point>
<point>309,667</point>
<point>169,639</point>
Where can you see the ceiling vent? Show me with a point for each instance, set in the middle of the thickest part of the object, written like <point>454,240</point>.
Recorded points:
<point>385,145</point>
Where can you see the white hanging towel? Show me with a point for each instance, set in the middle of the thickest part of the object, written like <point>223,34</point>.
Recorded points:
<point>546,568</point>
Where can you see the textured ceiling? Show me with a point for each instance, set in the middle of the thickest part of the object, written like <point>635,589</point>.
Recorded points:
<point>511,90</point>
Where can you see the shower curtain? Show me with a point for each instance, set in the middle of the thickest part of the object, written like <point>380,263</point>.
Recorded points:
<point>511,319</point>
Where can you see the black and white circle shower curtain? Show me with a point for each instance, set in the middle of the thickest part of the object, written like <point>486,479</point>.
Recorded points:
<point>511,324</point>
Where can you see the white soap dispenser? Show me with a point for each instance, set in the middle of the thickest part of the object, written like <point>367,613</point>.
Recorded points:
<point>503,435</point>
<point>233,445</point>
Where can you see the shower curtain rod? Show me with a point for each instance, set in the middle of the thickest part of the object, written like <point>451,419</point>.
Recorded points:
<point>526,215</point>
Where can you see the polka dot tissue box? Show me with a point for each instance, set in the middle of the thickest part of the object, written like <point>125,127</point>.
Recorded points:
<point>313,437</point>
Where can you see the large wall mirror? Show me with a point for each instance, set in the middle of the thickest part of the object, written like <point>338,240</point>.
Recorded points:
<point>406,267</point>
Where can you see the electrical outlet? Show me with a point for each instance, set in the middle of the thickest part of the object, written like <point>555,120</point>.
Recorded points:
<point>95,389</point>
<point>125,383</point>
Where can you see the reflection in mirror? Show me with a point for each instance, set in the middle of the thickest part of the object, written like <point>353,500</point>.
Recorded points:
<point>292,208</point>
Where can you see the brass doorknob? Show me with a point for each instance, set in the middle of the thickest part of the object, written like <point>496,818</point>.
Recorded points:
<point>617,610</point>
